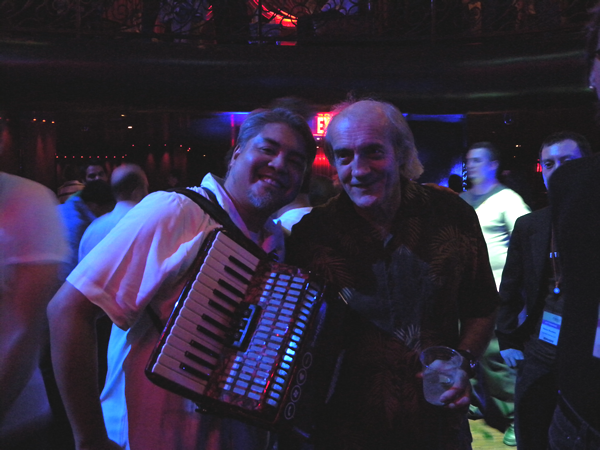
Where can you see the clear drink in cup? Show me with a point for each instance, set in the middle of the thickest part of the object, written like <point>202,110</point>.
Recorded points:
<point>440,365</point>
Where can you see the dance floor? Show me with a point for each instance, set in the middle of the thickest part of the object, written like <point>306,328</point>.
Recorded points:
<point>486,437</point>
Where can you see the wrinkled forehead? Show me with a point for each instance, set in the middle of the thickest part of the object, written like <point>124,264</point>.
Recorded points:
<point>359,122</point>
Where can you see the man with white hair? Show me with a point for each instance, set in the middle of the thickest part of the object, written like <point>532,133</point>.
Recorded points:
<point>411,262</point>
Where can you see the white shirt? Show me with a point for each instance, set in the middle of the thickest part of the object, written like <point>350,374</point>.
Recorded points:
<point>142,262</point>
<point>497,216</point>
<point>292,216</point>
<point>31,232</point>
<point>101,226</point>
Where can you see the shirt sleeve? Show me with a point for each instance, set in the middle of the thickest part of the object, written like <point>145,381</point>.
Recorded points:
<point>151,247</point>
<point>516,208</point>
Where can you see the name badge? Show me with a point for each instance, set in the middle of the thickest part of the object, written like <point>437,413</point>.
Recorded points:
<point>597,340</point>
<point>550,328</point>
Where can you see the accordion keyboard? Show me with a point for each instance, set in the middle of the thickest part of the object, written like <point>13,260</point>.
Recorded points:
<point>198,336</point>
<point>236,337</point>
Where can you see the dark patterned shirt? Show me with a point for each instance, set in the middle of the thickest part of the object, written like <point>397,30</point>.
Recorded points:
<point>406,291</point>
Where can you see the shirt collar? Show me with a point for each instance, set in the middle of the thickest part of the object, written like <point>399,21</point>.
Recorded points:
<point>271,239</point>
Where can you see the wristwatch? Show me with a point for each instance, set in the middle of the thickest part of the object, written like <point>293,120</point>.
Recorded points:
<point>469,362</point>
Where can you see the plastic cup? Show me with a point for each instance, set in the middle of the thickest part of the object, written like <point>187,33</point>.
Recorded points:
<point>440,365</point>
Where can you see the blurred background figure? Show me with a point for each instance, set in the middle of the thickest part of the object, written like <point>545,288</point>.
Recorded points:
<point>32,246</point>
<point>455,182</point>
<point>497,208</point>
<point>79,211</point>
<point>129,185</point>
<point>94,170</point>
<point>72,183</point>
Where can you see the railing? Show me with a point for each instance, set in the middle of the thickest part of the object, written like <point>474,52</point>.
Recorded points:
<point>204,22</point>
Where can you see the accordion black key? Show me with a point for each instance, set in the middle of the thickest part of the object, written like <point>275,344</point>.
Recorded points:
<point>241,339</point>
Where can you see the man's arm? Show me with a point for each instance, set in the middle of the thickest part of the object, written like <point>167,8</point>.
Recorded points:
<point>476,334</point>
<point>74,358</point>
<point>515,209</point>
<point>511,299</point>
<point>23,325</point>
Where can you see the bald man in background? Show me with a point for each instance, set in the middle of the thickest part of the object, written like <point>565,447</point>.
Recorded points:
<point>129,185</point>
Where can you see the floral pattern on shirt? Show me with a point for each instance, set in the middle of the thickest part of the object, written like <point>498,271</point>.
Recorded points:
<point>406,292</point>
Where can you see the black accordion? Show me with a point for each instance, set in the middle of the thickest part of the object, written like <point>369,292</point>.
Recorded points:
<point>242,338</point>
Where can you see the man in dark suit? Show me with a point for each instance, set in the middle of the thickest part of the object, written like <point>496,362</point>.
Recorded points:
<point>531,280</point>
<point>575,200</point>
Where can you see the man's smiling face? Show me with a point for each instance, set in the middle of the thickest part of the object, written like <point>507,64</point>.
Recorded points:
<point>267,172</point>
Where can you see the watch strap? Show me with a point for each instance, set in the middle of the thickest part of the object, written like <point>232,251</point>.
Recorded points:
<point>469,364</point>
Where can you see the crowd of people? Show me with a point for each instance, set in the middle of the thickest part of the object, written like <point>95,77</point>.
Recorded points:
<point>86,275</point>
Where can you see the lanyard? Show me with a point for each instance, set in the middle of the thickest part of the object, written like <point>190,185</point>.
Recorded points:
<point>555,264</point>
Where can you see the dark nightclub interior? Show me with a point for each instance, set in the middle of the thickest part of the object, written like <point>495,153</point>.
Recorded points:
<point>166,84</point>
<point>162,86</point>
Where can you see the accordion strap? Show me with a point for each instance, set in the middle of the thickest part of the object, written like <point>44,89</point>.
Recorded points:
<point>211,207</point>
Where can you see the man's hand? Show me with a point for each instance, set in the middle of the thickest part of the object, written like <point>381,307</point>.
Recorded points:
<point>511,356</point>
<point>459,395</point>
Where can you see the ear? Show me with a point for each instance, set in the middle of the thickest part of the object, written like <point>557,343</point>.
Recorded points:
<point>237,151</point>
